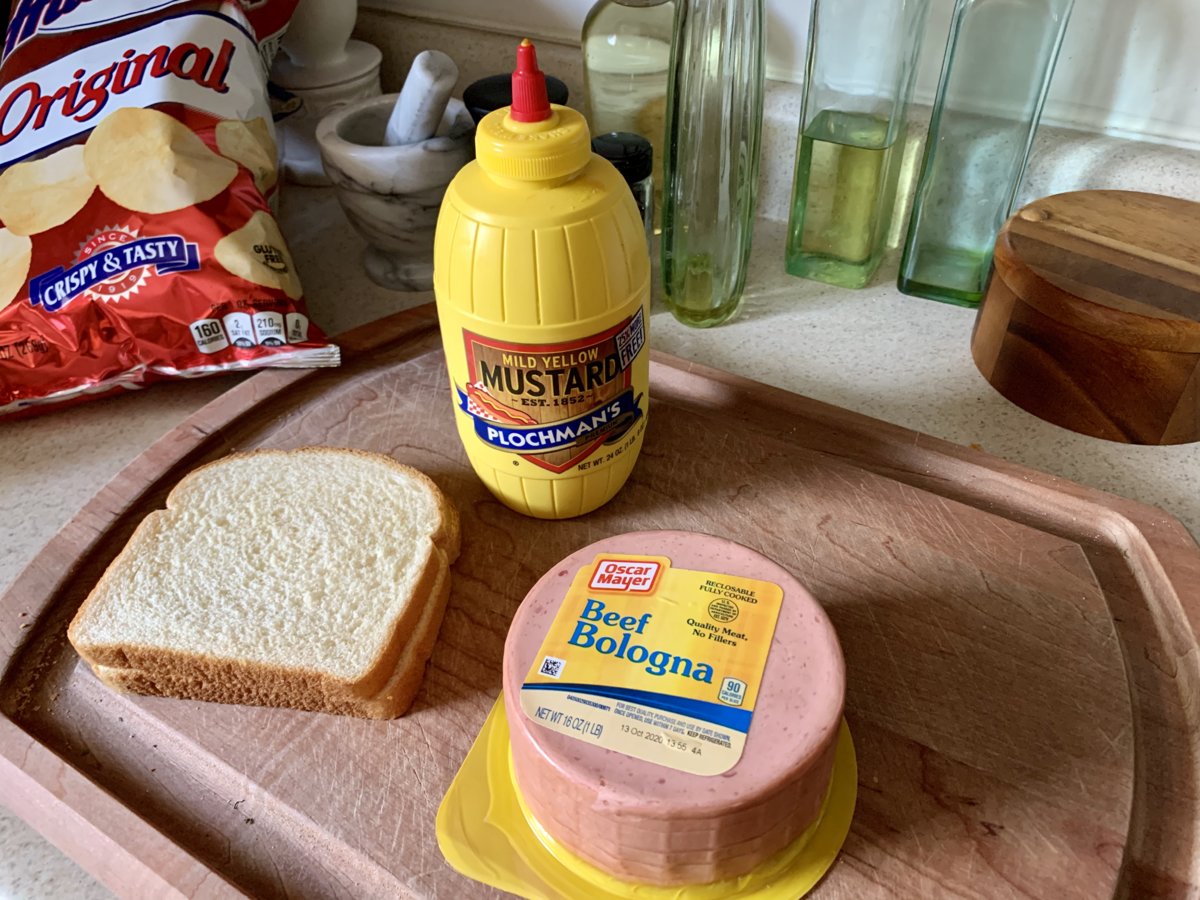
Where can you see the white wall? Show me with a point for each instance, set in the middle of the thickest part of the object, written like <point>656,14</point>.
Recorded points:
<point>1128,67</point>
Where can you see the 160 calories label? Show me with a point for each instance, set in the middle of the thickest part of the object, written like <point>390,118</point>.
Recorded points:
<point>554,405</point>
<point>244,329</point>
<point>658,663</point>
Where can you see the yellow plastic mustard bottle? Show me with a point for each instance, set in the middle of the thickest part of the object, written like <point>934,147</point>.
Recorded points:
<point>542,280</point>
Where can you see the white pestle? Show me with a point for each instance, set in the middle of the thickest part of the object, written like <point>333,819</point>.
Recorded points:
<point>422,100</point>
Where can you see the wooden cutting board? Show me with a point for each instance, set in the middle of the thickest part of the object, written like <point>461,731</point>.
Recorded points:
<point>1021,654</point>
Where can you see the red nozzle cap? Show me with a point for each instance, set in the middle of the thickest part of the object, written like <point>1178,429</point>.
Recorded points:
<point>529,100</point>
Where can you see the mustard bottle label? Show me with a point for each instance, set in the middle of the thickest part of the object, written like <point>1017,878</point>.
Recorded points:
<point>556,405</point>
<point>658,663</point>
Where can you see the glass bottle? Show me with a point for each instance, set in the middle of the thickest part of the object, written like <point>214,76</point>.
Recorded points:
<point>999,61</point>
<point>626,55</point>
<point>859,75</point>
<point>710,173</point>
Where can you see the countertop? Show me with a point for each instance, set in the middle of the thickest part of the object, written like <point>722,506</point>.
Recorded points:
<point>874,351</point>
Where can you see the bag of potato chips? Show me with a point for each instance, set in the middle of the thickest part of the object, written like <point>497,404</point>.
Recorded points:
<point>137,157</point>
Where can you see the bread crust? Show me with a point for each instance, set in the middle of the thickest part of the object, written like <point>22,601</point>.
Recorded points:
<point>199,678</point>
<point>386,687</point>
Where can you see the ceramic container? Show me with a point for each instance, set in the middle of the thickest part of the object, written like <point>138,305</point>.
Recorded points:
<point>324,68</point>
<point>391,195</point>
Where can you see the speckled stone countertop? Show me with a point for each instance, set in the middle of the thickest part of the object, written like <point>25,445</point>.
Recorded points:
<point>873,351</point>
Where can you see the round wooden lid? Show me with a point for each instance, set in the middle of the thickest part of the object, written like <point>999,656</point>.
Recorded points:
<point>1121,265</point>
<point>1092,317</point>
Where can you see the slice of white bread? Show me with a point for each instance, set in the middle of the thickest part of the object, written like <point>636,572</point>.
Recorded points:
<point>393,700</point>
<point>313,578</point>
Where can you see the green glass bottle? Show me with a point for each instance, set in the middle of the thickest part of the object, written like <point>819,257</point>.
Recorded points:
<point>988,104</point>
<point>860,70</point>
<point>710,169</point>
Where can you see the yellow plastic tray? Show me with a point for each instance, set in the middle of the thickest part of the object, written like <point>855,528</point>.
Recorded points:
<point>486,833</point>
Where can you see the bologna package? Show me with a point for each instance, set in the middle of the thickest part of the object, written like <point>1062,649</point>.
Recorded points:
<point>137,157</point>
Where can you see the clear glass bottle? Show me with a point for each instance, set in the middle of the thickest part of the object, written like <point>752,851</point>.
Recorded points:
<point>626,55</point>
<point>999,61</point>
<point>860,70</point>
<point>710,170</point>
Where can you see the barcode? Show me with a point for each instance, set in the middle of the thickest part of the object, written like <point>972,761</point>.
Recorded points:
<point>551,667</point>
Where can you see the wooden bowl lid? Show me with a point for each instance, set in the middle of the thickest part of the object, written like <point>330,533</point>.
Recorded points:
<point>1115,263</point>
<point>1092,317</point>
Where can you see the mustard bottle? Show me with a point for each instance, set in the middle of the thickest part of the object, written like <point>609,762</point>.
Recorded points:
<point>542,280</point>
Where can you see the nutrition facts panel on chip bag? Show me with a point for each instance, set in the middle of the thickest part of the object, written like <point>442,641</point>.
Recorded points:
<point>241,329</point>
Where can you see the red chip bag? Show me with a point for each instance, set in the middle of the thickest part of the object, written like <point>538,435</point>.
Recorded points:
<point>137,157</point>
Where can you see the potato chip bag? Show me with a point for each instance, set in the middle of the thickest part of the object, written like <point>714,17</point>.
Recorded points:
<point>137,162</point>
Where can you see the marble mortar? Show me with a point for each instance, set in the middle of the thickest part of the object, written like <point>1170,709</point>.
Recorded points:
<point>392,195</point>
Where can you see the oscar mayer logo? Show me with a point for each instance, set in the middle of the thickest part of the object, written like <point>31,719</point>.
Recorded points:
<point>625,575</point>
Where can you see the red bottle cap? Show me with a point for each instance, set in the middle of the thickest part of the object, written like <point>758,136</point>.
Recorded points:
<point>529,100</point>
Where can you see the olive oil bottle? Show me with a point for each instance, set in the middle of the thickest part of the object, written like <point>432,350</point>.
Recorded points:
<point>852,127</point>
<point>847,170</point>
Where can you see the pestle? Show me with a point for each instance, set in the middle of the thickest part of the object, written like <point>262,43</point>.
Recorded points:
<point>422,100</point>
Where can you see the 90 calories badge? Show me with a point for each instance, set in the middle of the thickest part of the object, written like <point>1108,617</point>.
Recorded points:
<point>658,663</point>
<point>554,404</point>
<point>112,264</point>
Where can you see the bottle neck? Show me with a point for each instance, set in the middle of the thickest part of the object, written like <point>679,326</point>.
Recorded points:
<point>526,184</point>
<point>538,153</point>
<point>640,4</point>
